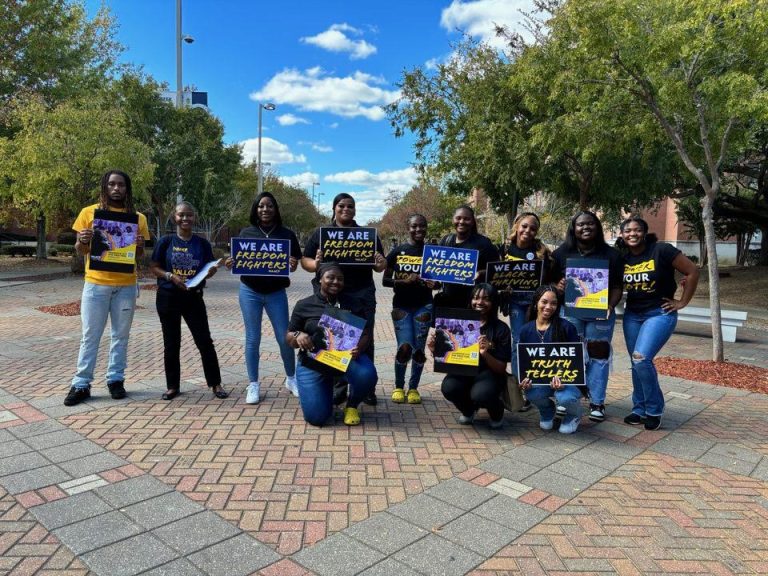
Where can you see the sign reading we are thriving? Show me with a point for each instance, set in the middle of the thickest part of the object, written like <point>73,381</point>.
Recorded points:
<point>260,256</point>
<point>542,362</point>
<point>515,275</point>
<point>449,264</point>
<point>348,245</point>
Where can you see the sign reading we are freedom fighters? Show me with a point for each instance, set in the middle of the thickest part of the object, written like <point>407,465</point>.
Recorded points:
<point>542,362</point>
<point>349,245</point>
<point>260,256</point>
<point>449,264</point>
<point>515,275</point>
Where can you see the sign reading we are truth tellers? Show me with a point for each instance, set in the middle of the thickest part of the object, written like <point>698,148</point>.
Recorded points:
<point>348,245</point>
<point>542,362</point>
<point>449,264</point>
<point>260,256</point>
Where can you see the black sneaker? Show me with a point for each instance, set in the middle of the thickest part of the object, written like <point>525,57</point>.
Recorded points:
<point>597,412</point>
<point>634,419</point>
<point>526,406</point>
<point>116,389</point>
<point>652,422</point>
<point>371,399</point>
<point>77,395</point>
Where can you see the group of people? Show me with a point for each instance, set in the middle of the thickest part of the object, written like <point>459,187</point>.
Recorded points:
<point>639,265</point>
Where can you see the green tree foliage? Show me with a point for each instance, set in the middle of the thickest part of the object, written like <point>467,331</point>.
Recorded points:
<point>51,48</point>
<point>55,160</point>
<point>698,67</point>
<point>298,212</point>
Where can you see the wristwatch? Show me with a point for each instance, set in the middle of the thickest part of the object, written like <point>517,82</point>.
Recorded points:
<point>168,276</point>
<point>296,333</point>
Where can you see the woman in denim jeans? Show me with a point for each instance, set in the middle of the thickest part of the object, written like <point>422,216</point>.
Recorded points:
<point>650,314</point>
<point>585,239</point>
<point>260,293</point>
<point>411,308</point>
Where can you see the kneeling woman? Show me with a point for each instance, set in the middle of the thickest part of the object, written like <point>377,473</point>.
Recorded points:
<point>546,326</point>
<point>316,384</point>
<point>483,390</point>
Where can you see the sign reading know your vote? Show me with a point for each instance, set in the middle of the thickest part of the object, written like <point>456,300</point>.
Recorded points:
<point>348,245</point>
<point>449,264</point>
<point>542,362</point>
<point>515,275</point>
<point>260,256</point>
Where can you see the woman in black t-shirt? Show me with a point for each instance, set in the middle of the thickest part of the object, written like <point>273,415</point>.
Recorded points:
<point>585,239</point>
<point>411,308</point>
<point>650,314</point>
<point>315,380</point>
<point>358,279</point>
<point>260,293</point>
<point>465,236</point>
<point>468,393</point>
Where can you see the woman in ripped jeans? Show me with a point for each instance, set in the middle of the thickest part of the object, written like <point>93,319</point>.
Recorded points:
<point>411,308</point>
<point>585,239</point>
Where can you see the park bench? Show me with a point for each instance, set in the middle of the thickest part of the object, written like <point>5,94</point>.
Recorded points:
<point>730,320</point>
<point>13,251</point>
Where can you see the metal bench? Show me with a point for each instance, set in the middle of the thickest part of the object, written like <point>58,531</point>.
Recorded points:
<point>730,320</point>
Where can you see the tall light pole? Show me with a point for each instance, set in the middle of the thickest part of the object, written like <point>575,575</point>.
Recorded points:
<point>179,39</point>
<point>266,106</point>
<point>317,204</point>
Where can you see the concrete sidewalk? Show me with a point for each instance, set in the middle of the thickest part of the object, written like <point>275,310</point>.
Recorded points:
<point>204,486</point>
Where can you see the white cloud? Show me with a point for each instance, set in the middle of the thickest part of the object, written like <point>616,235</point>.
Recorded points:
<point>335,40</point>
<point>322,148</point>
<point>370,202</point>
<point>333,125</point>
<point>272,151</point>
<point>291,119</point>
<point>313,90</point>
<point>479,17</point>
<point>303,180</point>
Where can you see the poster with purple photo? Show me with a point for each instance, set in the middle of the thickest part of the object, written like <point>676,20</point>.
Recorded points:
<point>113,247</point>
<point>457,332</point>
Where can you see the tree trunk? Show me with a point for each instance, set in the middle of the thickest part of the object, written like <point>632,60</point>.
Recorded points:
<point>714,277</point>
<point>584,185</point>
<point>42,253</point>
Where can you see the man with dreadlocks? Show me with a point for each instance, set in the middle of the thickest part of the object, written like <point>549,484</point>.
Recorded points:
<point>105,294</point>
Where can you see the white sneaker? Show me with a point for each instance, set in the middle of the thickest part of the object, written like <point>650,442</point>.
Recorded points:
<point>467,420</point>
<point>290,384</point>
<point>252,393</point>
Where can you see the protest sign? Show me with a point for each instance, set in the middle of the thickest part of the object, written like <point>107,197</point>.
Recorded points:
<point>456,334</point>
<point>542,362</point>
<point>113,246</point>
<point>338,332</point>
<point>515,275</point>
<point>448,264</point>
<point>260,256</point>
<point>586,288</point>
<point>349,245</point>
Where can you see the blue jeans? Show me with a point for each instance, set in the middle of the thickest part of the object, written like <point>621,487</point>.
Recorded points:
<point>97,304</point>
<point>411,328</point>
<point>316,389</point>
<point>645,334</point>
<point>569,397</point>
<point>518,309</point>
<point>597,368</point>
<point>252,305</point>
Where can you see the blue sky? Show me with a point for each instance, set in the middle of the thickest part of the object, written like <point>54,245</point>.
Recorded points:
<point>328,65</point>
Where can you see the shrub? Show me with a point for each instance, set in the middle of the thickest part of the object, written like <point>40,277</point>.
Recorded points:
<point>16,250</point>
<point>69,238</point>
<point>61,249</point>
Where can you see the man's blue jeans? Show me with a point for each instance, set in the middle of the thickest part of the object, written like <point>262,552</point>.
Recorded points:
<point>411,329</point>
<point>316,389</point>
<point>252,305</point>
<point>645,333</point>
<point>97,304</point>
<point>597,368</point>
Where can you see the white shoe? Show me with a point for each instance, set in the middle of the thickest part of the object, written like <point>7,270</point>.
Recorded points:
<point>546,424</point>
<point>252,393</point>
<point>467,420</point>
<point>290,384</point>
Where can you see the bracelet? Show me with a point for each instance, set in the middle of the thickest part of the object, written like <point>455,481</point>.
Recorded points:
<point>168,276</point>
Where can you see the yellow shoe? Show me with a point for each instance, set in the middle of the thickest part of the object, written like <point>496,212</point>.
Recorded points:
<point>414,397</point>
<point>398,395</point>
<point>351,416</point>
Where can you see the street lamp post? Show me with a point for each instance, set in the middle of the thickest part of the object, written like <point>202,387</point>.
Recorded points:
<point>317,204</point>
<point>179,39</point>
<point>267,106</point>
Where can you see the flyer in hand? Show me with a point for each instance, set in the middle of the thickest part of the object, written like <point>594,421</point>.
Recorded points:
<point>339,331</point>
<point>113,246</point>
<point>457,332</point>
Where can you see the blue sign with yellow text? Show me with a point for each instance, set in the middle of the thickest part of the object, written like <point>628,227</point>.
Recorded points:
<point>261,256</point>
<point>449,264</point>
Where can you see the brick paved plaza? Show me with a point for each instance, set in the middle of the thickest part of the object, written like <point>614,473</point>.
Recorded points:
<point>204,486</point>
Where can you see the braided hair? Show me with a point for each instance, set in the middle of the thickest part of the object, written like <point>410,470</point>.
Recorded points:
<point>104,194</point>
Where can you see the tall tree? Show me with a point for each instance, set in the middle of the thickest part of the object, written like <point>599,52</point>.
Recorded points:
<point>54,162</point>
<point>699,68</point>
